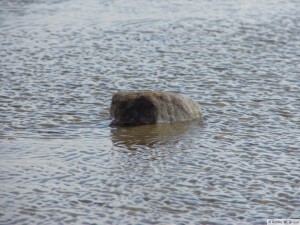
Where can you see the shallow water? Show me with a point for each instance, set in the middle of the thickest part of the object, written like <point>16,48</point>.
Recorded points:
<point>60,63</point>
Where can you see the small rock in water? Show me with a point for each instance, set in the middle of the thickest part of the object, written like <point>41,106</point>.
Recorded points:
<point>136,108</point>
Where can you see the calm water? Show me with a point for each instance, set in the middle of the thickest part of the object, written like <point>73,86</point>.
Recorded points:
<point>60,63</point>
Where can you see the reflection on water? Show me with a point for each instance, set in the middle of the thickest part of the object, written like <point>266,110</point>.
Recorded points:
<point>60,63</point>
<point>153,135</point>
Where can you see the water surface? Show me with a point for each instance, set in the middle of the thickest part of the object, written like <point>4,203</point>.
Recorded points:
<point>60,63</point>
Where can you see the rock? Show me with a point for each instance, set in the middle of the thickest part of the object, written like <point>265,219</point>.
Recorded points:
<point>136,108</point>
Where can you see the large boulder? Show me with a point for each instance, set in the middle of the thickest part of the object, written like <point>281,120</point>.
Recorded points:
<point>136,108</point>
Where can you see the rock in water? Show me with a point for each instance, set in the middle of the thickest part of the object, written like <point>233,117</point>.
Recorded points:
<point>136,108</point>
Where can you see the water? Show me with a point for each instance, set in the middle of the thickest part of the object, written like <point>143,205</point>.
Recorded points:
<point>60,63</point>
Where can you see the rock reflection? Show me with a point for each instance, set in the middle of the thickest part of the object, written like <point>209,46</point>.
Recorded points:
<point>152,135</point>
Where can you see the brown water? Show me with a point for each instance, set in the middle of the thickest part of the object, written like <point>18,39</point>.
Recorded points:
<point>60,63</point>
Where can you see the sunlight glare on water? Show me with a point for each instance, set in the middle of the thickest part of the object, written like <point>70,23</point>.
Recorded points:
<point>60,63</point>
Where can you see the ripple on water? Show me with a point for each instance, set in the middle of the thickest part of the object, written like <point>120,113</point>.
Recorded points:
<point>61,62</point>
